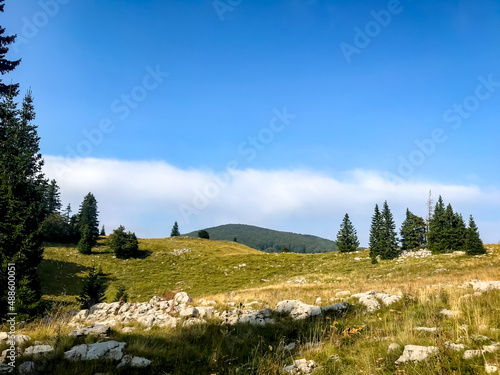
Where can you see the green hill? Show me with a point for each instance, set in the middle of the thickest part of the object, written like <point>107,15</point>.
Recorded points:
<point>268,240</point>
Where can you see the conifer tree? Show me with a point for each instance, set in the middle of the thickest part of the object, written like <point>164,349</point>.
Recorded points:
<point>103,231</point>
<point>94,286</point>
<point>87,216</point>
<point>458,233</point>
<point>389,240</point>
<point>412,231</point>
<point>52,199</point>
<point>86,242</point>
<point>436,238</point>
<point>124,245</point>
<point>7,65</point>
<point>175,230</point>
<point>22,187</point>
<point>347,239</point>
<point>376,244</point>
<point>473,243</point>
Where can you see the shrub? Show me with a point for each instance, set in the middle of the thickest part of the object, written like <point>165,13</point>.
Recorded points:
<point>124,245</point>
<point>203,234</point>
<point>94,286</point>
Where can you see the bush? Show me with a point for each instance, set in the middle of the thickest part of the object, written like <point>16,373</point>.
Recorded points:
<point>124,245</point>
<point>94,286</point>
<point>57,228</point>
<point>203,234</point>
<point>121,294</point>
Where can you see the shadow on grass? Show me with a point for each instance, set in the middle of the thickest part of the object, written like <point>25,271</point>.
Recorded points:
<point>61,277</point>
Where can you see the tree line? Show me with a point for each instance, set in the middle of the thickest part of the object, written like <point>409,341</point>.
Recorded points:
<point>444,232</point>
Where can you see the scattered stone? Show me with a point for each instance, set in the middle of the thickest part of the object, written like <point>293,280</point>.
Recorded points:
<point>426,329</point>
<point>298,309</point>
<point>490,369</point>
<point>101,350</point>
<point>182,298</point>
<point>371,299</point>
<point>335,357</point>
<point>136,362</point>
<point>127,329</point>
<point>3,336</point>
<point>100,330</point>
<point>455,347</point>
<point>484,286</point>
<point>318,301</point>
<point>337,307</point>
<point>449,313</point>
<point>290,346</point>
<point>301,366</point>
<point>189,312</point>
<point>181,251</point>
<point>469,354</point>
<point>394,347</point>
<point>422,253</point>
<point>416,353</point>
<point>343,293</point>
<point>39,350</point>
<point>27,368</point>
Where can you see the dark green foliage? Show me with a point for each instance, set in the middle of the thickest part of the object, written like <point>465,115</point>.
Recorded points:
<point>87,216</point>
<point>285,249</point>
<point>175,230</point>
<point>123,244</point>
<point>375,242</point>
<point>269,240</point>
<point>52,200</point>
<point>103,231</point>
<point>347,239</point>
<point>22,187</point>
<point>121,294</point>
<point>235,239</point>
<point>203,234</point>
<point>86,242</point>
<point>390,242</point>
<point>458,233</point>
<point>413,232</point>
<point>473,243</point>
<point>6,65</point>
<point>58,228</point>
<point>436,239</point>
<point>94,286</point>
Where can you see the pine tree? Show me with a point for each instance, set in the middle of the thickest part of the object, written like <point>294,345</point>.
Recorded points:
<point>87,216</point>
<point>121,294</point>
<point>203,234</point>
<point>52,200</point>
<point>6,65</point>
<point>86,242</point>
<point>124,245</point>
<point>458,233</point>
<point>389,239</point>
<point>412,231</point>
<point>347,239</point>
<point>175,230</point>
<point>94,286</point>
<point>375,243</point>
<point>473,243</point>
<point>436,238</point>
<point>103,231</point>
<point>22,187</point>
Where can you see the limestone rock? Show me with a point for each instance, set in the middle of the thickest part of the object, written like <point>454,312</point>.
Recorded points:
<point>100,350</point>
<point>301,366</point>
<point>132,361</point>
<point>27,368</point>
<point>298,309</point>
<point>394,347</point>
<point>100,330</point>
<point>416,353</point>
<point>39,350</point>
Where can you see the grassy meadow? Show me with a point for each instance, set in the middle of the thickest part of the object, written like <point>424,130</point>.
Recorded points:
<point>353,343</point>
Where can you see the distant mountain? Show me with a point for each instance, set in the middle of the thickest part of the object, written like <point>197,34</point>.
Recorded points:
<point>268,240</point>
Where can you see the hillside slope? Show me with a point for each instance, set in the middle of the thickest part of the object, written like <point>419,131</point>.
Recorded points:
<point>269,240</point>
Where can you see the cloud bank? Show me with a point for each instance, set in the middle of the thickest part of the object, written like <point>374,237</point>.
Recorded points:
<point>148,196</point>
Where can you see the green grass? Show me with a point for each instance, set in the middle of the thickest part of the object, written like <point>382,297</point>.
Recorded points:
<point>214,270</point>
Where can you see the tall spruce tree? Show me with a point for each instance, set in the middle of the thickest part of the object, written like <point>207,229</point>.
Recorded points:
<point>52,198</point>
<point>458,233</point>
<point>473,243</point>
<point>436,238</point>
<point>7,65</point>
<point>413,233</point>
<point>390,242</point>
<point>376,244</point>
<point>175,230</point>
<point>22,188</point>
<point>87,216</point>
<point>347,239</point>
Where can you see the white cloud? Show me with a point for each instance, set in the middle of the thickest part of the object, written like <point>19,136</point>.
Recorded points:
<point>148,196</point>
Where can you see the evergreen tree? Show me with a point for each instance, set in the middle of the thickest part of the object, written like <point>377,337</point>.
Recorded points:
<point>203,234</point>
<point>376,245</point>
<point>389,239</point>
<point>94,286</point>
<point>52,200</point>
<point>87,216</point>
<point>412,231</point>
<point>103,231</point>
<point>121,294</point>
<point>458,233</point>
<point>285,249</point>
<point>124,245</point>
<point>473,243</point>
<point>22,187</point>
<point>86,242</point>
<point>67,212</point>
<point>6,65</point>
<point>436,238</point>
<point>347,239</point>
<point>175,230</point>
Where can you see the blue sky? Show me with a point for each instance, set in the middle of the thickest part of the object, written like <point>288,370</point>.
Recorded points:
<point>181,89</point>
